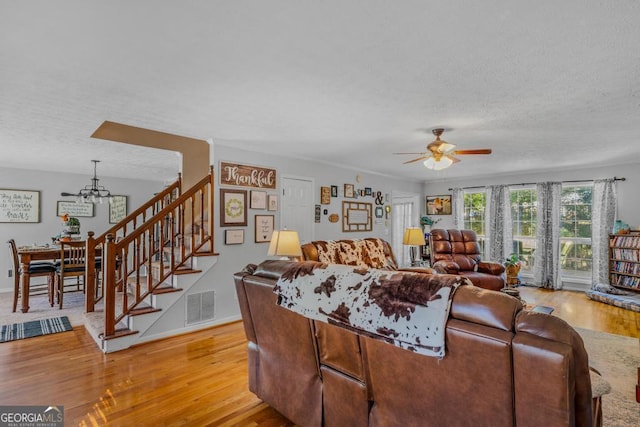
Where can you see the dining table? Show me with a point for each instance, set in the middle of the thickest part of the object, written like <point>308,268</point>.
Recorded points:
<point>28,254</point>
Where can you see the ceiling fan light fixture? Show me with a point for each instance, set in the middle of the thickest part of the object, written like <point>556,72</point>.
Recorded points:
<point>443,163</point>
<point>446,148</point>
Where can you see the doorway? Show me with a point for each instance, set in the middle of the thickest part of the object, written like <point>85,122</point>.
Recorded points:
<point>405,212</point>
<point>297,209</point>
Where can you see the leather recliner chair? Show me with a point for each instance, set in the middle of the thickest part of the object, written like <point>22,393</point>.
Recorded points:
<point>458,252</point>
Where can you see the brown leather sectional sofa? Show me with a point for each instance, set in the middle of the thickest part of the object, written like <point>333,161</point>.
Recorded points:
<point>503,366</point>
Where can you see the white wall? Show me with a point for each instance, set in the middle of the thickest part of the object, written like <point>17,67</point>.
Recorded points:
<point>50,185</point>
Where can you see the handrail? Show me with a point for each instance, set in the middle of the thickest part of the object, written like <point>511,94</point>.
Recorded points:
<point>121,229</point>
<point>140,262</point>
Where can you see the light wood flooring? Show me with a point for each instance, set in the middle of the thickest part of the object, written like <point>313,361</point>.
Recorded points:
<point>196,379</point>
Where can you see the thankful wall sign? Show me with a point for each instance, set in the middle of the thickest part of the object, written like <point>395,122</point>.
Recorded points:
<point>247,175</point>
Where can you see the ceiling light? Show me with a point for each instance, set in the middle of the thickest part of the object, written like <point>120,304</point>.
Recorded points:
<point>443,163</point>
<point>92,193</point>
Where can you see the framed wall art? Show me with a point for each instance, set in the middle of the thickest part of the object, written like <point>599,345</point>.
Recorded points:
<point>264,228</point>
<point>357,216</point>
<point>117,209</point>
<point>19,206</point>
<point>233,207</point>
<point>74,209</point>
<point>234,237</point>
<point>349,191</point>
<point>325,195</point>
<point>272,202</point>
<point>258,199</point>
<point>439,205</point>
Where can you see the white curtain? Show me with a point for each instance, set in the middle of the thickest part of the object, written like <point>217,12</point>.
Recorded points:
<point>498,226</point>
<point>402,214</point>
<point>546,269</point>
<point>457,207</point>
<point>603,215</point>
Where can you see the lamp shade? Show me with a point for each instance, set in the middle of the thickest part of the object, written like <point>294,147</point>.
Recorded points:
<point>413,236</point>
<point>443,163</point>
<point>285,243</point>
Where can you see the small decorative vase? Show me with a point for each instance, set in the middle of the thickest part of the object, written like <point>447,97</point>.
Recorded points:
<point>617,226</point>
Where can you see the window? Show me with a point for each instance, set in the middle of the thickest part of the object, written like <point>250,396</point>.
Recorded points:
<point>575,232</point>
<point>474,206</point>
<point>523,218</point>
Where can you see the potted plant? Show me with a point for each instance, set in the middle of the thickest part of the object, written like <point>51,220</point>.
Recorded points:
<point>427,222</point>
<point>512,267</point>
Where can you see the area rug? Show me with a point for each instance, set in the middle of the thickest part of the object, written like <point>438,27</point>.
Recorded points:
<point>617,358</point>
<point>40,309</point>
<point>35,328</point>
<point>628,301</point>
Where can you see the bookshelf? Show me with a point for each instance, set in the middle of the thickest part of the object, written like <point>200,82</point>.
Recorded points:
<point>624,261</point>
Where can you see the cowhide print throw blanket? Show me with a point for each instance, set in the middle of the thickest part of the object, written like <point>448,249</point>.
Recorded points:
<point>406,309</point>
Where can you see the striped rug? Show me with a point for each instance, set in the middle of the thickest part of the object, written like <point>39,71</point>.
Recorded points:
<point>35,328</point>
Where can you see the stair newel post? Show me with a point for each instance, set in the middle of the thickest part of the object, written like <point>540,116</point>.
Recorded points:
<point>109,266</point>
<point>90,273</point>
<point>210,213</point>
<point>179,184</point>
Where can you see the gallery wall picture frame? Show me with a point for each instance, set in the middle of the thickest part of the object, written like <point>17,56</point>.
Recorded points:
<point>117,209</point>
<point>318,213</point>
<point>325,195</point>
<point>334,191</point>
<point>19,206</point>
<point>349,191</point>
<point>357,216</point>
<point>439,205</point>
<point>379,212</point>
<point>258,199</point>
<point>233,207</point>
<point>368,191</point>
<point>234,236</point>
<point>272,202</point>
<point>264,225</point>
<point>74,209</point>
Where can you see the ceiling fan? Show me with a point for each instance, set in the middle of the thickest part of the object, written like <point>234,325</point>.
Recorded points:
<point>439,154</point>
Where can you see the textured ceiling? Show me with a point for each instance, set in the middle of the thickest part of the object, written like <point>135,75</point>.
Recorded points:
<point>545,84</point>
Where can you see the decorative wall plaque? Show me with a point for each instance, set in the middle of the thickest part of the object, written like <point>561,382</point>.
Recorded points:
<point>247,176</point>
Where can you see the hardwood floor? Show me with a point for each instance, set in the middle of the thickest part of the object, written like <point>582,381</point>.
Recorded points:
<point>196,379</point>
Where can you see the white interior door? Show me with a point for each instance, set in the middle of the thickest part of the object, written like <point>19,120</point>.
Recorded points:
<point>297,209</point>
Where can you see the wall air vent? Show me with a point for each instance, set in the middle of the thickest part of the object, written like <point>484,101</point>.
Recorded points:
<point>200,307</point>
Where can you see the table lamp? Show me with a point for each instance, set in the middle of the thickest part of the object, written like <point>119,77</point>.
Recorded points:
<point>413,236</point>
<point>285,244</point>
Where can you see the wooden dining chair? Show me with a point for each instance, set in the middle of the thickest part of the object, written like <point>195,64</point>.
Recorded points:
<point>36,269</point>
<point>72,264</point>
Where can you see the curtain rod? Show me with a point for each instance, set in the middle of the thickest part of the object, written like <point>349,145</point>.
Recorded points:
<point>533,183</point>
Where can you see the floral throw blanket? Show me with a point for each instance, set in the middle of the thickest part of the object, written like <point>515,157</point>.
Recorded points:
<point>406,309</point>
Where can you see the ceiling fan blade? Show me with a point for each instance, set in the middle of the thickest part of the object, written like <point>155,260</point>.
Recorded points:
<point>476,151</point>
<point>454,159</point>
<point>423,153</point>
<point>417,160</point>
<point>68,194</point>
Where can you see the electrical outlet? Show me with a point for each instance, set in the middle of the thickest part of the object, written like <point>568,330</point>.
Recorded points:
<point>10,274</point>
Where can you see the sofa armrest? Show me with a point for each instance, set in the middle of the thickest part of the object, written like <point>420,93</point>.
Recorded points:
<point>424,270</point>
<point>488,267</point>
<point>446,267</point>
